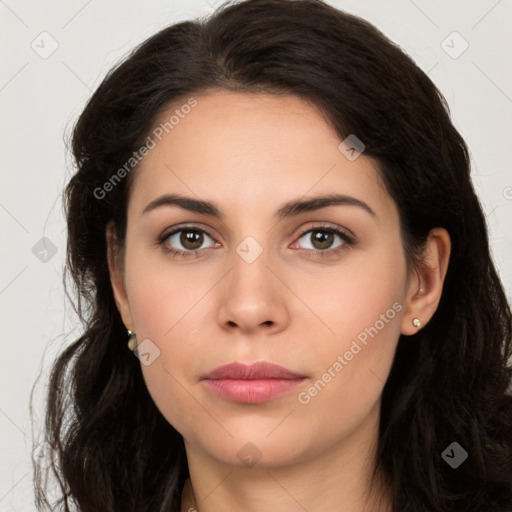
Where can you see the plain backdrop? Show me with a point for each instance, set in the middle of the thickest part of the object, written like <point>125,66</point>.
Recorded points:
<point>56,53</point>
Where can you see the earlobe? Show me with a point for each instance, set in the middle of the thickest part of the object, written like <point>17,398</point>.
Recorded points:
<point>116,275</point>
<point>426,285</point>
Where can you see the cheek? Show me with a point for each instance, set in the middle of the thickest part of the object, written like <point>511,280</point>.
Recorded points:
<point>172,394</point>
<point>163,293</point>
<point>167,307</point>
<point>360,308</point>
<point>357,295</point>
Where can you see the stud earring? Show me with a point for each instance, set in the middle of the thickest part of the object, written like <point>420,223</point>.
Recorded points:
<point>132,341</point>
<point>416,323</point>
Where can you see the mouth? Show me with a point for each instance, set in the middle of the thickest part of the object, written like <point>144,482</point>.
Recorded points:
<point>251,383</point>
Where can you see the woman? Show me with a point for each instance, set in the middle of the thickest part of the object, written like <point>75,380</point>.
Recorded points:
<point>274,209</point>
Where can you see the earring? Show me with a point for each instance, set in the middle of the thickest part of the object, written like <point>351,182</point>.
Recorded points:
<point>416,323</point>
<point>132,341</point>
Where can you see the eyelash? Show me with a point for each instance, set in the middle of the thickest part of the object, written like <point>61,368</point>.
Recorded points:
<point>347,239</point>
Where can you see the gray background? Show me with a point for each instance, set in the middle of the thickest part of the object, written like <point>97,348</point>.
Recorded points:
<point>41,93</point>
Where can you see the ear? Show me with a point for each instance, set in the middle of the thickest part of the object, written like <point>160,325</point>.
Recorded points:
<point>425,284</point>
<point>116,270</point>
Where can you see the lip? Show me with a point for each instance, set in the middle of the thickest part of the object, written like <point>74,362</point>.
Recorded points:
<point>252,371</point>
<point>252,383</point>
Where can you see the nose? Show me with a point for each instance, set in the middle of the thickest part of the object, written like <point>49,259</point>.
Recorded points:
<point>252,297</point>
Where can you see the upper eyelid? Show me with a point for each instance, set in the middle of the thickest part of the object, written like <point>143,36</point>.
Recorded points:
<point>175,230</point>
<point>328,226</point>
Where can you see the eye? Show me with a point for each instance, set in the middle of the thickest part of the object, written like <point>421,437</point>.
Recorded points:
<point>322,238</point>
<point>185,241</point>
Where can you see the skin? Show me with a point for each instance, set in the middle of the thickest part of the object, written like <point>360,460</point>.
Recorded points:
<point>251,153</point>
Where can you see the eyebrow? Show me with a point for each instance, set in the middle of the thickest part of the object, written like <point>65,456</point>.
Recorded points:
<point>289,209</point>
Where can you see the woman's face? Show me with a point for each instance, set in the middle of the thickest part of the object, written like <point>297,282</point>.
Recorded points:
<point>262,279</point>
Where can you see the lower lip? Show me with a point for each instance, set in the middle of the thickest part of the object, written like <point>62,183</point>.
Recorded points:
<point>251,391</point>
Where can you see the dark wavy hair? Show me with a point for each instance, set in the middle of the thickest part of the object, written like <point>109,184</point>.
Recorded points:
<point>114,449</point>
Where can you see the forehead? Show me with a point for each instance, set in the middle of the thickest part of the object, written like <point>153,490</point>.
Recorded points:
<point>249,147</point>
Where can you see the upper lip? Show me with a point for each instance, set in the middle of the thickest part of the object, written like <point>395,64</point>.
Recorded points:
<point>252,371</point>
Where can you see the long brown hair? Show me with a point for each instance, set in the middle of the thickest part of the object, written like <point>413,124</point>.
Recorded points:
<point>451,384</point>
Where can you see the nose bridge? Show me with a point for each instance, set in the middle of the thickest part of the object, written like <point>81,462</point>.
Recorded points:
<point>250,277</point>
<point>251,295</point>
